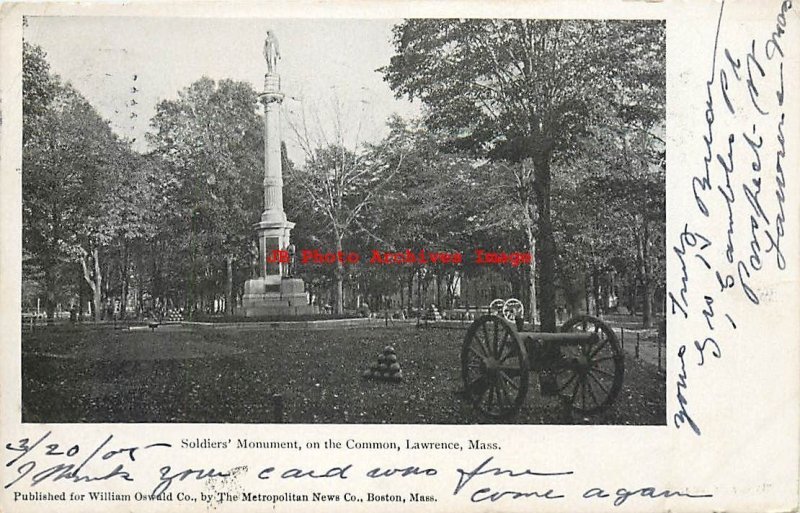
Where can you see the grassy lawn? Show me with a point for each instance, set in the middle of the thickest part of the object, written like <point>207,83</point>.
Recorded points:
<point>200,374</point>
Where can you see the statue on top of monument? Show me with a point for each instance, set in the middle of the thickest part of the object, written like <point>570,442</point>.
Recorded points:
<point>271,52</point>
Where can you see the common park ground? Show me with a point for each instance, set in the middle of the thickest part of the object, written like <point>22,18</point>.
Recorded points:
<point>203,374</point>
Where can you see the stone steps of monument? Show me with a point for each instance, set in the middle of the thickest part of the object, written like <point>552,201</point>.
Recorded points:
<point>254,310</point>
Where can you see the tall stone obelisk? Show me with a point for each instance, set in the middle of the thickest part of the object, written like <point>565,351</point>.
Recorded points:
<point>272,292</point>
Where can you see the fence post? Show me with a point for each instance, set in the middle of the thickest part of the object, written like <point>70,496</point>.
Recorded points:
<point>637,345</point>
<point>658,341</point>
<point>622,336</point>
<point>277,407</point>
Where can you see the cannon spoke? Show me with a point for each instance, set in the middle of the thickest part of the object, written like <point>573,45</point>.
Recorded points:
<point>508,380</point>
<point>575,390</point>
<point>482,344</point>
<point>591,392</point>
<point>572,377</point>
<point>597,349</point>
<point>504,351</point>
<point>600,383</point>
<point>604,359</point>
<point>602,371</point>
<point>475,364</point>
<point>495,343</point>
<point>510,349</point>
<point>503,398</point>
<point>511,370</point>
<point>583,392</point>
<point>478,386</point>
<point>490,399</point>
<point>478,350</point>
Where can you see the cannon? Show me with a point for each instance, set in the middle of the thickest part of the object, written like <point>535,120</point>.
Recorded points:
<point>583,363</point>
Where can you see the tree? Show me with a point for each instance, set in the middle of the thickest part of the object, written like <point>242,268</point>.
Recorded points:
<point>41,209</point>
<point>519,90</point>
<point>620,173</point>
<point>72,167</point>
<point>504,193</point>
<point>82,186</point>
<point>211,140</point>
<point>341,180</point>
<point>427,205</point>
<point>39,88</point>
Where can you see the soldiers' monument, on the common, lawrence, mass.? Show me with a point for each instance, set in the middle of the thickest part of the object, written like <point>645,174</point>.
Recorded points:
<point>272,292</point>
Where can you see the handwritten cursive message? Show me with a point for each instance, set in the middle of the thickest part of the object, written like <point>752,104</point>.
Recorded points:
<point>740,194</point>
<point>69,472</point>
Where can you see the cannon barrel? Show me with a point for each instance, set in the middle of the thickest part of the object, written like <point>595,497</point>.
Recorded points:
<point>571,338</point>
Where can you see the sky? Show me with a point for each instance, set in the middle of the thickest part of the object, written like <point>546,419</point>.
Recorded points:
<point>125,65</point>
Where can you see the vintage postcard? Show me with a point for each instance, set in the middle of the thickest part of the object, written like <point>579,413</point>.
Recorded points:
<point>430,257</point>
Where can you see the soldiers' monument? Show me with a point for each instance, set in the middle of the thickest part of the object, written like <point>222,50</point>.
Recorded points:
<point>272,292</point>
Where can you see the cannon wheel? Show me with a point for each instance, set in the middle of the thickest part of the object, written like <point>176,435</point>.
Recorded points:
<point>592,377</point>
<point>496,307</point>
<point>494,367</point>
<point>512,309</point>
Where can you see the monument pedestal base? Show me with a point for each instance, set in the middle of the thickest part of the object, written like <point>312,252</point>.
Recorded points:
<point>275,295</point>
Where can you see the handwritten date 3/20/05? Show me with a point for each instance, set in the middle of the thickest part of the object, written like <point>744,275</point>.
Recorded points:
<point>69,466</point>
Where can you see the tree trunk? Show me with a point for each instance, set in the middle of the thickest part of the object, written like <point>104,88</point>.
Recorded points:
<point>425,286</point>
<point>139,291</point>
<point>191,286</point>
<point>598,302</point>
<point>98,280</point>
<point>49,264</point>
<point>438,292</point>
<point>95,282</point>
<point>533,312</point>
<point>546,252</point>
<point>229,287</point>
<point>80,294</point>
<point>338,290</point>
<point>587,292</point>
<point>575,295</point>
<point>124,281</point>
<point>410,291</point>
<point>642,254</point>
<point>452,280</point>
<point>50,291</point>
<point>419,291</point>
<point>647,281</point>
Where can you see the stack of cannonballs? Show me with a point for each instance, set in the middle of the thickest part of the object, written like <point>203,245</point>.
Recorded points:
<point>387,368</point>
<point>173,315</point>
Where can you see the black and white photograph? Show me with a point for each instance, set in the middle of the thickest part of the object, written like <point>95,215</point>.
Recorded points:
<point>440,256</point>
<point>371,221</point>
